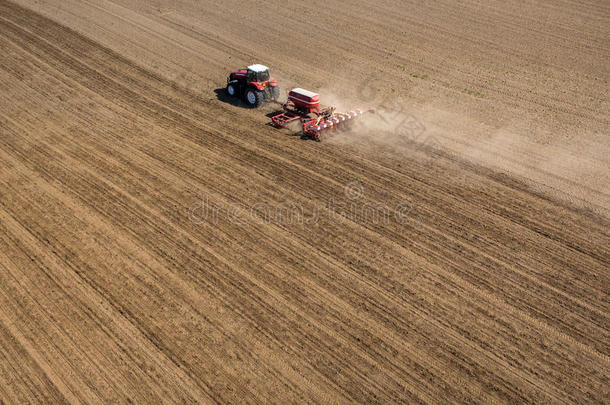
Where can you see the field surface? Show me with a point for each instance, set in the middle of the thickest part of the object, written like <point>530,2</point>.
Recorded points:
<point>160,242</point>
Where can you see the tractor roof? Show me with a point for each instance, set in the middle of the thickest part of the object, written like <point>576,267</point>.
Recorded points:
<point>258,68</point>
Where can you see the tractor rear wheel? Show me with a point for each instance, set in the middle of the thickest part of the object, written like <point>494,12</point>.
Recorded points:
<point>275,93</point>
<point>254,98</point>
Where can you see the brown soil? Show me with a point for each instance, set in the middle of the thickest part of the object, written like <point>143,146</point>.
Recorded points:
<point>467,264</point>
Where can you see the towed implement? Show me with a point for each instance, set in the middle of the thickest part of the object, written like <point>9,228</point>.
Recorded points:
<point>317,123</point>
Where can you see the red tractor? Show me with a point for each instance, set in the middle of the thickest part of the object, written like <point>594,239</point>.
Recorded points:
<point>254,85</point>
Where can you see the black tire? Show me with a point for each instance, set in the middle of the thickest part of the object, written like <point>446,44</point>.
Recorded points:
<point>254,98</point>
<point>275,93</point>
<point>232,89</point>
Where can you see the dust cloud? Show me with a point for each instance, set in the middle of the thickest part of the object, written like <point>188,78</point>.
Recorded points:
<point>575,171</point>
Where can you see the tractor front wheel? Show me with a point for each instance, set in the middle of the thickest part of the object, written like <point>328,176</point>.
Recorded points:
<point>254,98</point>
<point>231,89</point>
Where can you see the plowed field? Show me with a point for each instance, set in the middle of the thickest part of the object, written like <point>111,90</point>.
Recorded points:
<point>159,242</point>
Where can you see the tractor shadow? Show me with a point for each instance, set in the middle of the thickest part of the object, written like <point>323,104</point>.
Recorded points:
<point>221,95</point>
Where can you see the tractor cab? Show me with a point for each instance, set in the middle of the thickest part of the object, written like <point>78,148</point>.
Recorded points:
<point>257,73</point>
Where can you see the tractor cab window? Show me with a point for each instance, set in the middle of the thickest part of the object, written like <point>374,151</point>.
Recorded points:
<point>258,76</point>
